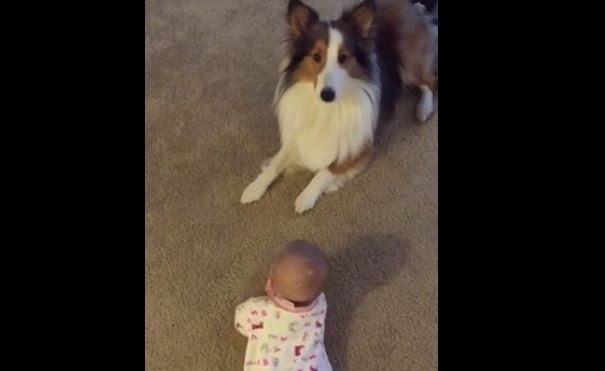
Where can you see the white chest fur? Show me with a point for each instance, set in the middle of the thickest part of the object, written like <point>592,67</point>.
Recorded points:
<point>322,133</point>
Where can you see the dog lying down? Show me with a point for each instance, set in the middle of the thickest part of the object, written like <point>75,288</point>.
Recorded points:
<point>331,81</point>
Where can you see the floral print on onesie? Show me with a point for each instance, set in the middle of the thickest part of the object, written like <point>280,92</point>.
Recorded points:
<point>281,340</point>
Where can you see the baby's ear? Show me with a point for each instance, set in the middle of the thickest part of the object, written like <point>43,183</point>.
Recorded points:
<point>300,18</point>
<point>362,17</point>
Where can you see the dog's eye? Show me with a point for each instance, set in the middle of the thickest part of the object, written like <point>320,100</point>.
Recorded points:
<point>342,58</point>
<point>317,57</point>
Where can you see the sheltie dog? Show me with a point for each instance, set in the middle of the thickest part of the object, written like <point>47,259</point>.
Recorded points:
<point>331,81</point>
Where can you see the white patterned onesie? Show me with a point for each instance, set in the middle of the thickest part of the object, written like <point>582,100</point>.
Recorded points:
<point>281,340</point>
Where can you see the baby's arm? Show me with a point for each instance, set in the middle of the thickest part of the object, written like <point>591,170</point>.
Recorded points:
<point>247,312</point>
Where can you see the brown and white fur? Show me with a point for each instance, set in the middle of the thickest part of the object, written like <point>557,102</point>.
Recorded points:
<point>328,97</point>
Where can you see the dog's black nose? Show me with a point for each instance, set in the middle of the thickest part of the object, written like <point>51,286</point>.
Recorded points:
<point>327,95</point>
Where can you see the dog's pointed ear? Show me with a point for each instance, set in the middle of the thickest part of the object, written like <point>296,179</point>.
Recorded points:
<point>362,16</point>
<point>300,18</point>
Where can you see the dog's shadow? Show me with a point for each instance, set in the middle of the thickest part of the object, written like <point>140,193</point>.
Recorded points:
<point>355,270</point>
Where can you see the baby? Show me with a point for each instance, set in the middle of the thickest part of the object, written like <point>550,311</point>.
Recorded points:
<point>285,329</point>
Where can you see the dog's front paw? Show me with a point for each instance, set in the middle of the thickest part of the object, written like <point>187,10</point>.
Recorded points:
<point>304,202</point>
<point>253,192</point>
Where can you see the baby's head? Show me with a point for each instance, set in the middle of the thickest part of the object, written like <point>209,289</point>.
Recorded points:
<point>298,273</point>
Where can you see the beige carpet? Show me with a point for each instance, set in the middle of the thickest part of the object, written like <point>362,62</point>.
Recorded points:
<point>210,70</point>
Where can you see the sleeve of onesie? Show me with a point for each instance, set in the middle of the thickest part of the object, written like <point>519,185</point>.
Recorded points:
<point>244,313</point>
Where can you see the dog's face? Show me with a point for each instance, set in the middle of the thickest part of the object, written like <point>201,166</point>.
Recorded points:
<point>329,53</point>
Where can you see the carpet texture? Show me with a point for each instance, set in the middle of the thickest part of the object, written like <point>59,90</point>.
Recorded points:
<point>210,71</point>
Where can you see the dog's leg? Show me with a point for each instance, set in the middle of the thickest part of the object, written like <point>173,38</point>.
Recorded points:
<point>423,82</point>
<point>425,105</point>
<point>331,179</point>
<point>348,170</point>
<point>307,199</point>
<point>338,182</point>
<point>270,171</point>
